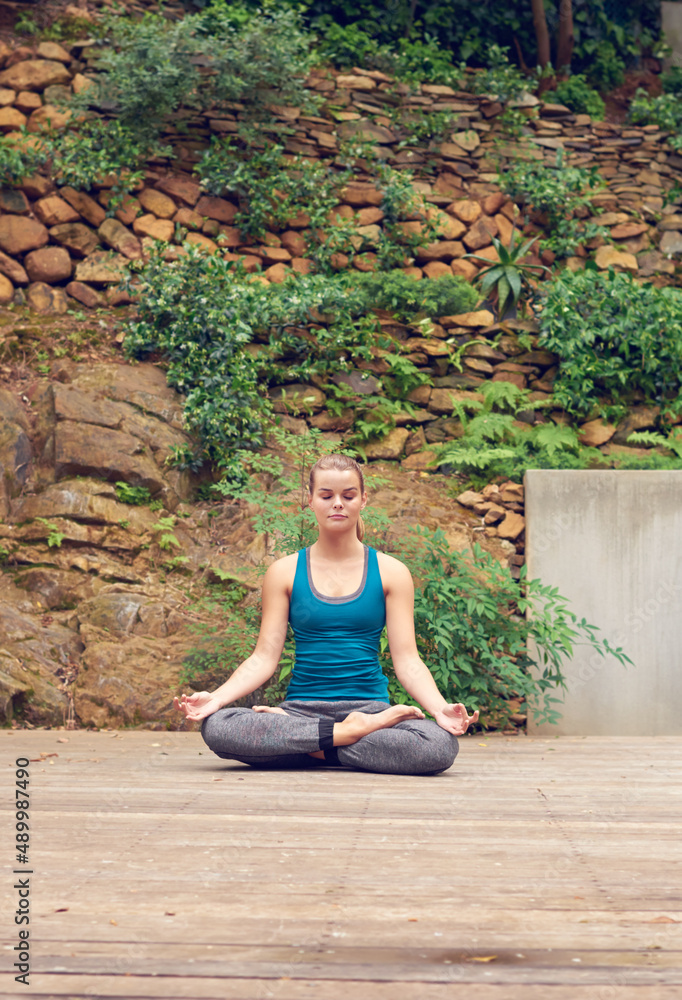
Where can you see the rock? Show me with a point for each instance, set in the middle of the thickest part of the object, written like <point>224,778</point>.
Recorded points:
<point>155,229</point>
<point>640,418</point>
<point>50,264</point>
<point>479,318</point>
<point>11,120</point>
<point>216,208</point>
<point>54,211</point>
<point>144,386</point>
<point>481,233</point>
<point>391,446</point>
<point>51,50</point>
<point>671,242</point>
<point>443,400</point>
<point>350,82</point>
<point>436,269</point>
<point>18,235</point>
<point>115,235</point>
<point>6,290</point>
<point>607,256</point>
<point>628,230</point>
<point>512,527</point>
<point>13,202</point>
<point>327,421</point>
<point>440,250</point>
<point>106,454</point>
<point>359,194</point>
<point>419,461</point>
<point>126,683</point>
<point>448,228</point>
<point>464,269</point>
<point>34,74</point>
<point>49,117</point>
<point>101,268</point>
<point>653,262</point>
<point>466,211</point>
<point>202,242</point>
<point>511,492</point>
<point>188,218</point>
<point>85,206</point>
<point>42,298</point>
<point>78,239</point>
<point>15,450</point>
<point>84,294</point>
<point>359,382</point>
<point>7,97</point>
<point>366,131</point>
<point>595,433</point>
<point>180,188</point>
<point>469,498</point>
<point>297,398</point>
<point>157,203</point>
<point>468,140</point>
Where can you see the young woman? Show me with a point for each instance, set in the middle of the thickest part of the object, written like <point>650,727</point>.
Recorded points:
<point>338,595</point>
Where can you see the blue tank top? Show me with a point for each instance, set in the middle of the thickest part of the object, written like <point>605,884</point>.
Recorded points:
<point>337,638</point>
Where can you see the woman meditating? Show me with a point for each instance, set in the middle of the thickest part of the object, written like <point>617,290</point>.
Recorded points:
<point>338,595</point>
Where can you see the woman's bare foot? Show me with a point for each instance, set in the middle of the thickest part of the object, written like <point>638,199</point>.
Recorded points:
<point>266,708</point>
<point>359,724</point>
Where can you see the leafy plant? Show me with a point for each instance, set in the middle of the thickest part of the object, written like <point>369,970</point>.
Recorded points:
<point>664,111</point>
<point>473,631</point>
<point>136,495</point>
<point>500,77</point>
<point>615,337</point>
<point>20,159</point>
<point>166,539</point>
<point>496,443</point>
<point>555,192</point>
<point>508,278</point>
<point>271,190</point>
<point>407,299</point>
<point>578,96</point>
<point>55,537</point>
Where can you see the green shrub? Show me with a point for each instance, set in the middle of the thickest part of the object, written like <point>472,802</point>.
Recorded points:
<point>270,190</point>
<point>19,160</point>
<point>556,192</point>
<point>89,151</point>
<point>501,77</point>
<point>664,111</point>
<point>672,80</point>
<point>408,299</point>
<point>579,97</point>
<point>348,45</point>
<point>615,337</point>
<point>495,443</point>
<point>606,68</point>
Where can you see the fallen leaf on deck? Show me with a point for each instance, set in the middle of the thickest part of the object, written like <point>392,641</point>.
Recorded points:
<point>484,958</point>
<point>62,909</point>
<point>62,739</point>
<point>114,922</point>
<point>662,920</point>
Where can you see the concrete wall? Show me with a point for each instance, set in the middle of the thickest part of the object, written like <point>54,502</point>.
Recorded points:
<point>671,27</point>
<point>611,542</point>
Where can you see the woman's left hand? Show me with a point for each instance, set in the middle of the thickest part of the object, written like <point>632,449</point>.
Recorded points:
<point>455,719</point>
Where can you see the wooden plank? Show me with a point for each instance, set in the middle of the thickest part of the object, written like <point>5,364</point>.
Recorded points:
<point>161,871</point>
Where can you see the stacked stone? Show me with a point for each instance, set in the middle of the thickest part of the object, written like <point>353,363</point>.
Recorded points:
<point>58,243</point>
<point>498,512</point>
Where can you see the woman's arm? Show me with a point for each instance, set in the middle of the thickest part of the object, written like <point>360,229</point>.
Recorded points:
<point>409,667</point>
<point>261,665</point>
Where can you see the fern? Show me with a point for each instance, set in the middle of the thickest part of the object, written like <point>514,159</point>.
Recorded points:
<point>652,439</point>
<point>555,438</point>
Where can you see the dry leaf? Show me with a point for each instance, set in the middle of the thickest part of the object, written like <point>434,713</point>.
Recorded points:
<point>62,739</point>
<point>662,920</point>
<point>484,958</point>
<point>62,909</point>
<point>413,919</point>
<point>114,922</point>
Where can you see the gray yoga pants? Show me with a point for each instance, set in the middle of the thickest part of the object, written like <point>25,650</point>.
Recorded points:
<point>268,739</point>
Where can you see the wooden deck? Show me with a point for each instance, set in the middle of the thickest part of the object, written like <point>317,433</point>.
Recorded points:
<point>542,869</point>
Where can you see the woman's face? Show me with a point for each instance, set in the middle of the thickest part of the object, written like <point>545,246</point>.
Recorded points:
<point>336,499</point>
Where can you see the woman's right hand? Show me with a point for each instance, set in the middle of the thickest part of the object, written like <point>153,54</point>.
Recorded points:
<point>197,706</point>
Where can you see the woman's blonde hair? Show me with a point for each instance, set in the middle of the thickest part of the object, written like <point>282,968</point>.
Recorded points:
<point>340,463</point>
